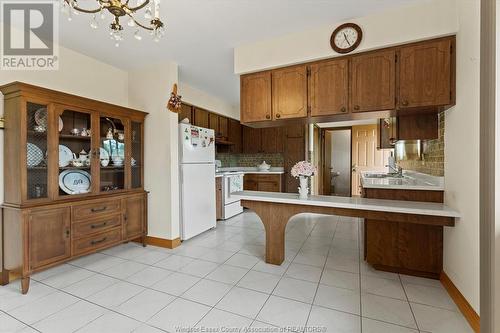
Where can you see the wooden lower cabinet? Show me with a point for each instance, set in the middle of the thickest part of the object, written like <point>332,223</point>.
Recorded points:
<point>265,183</point>
<point>218,198</point>
<point>406,248</point>
<point>39,237</point>
<point>49,236</point>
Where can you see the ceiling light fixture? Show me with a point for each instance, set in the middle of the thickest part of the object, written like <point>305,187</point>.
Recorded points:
<point>119,9</point>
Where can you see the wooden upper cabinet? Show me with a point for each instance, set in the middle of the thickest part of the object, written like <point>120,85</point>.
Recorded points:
<point>235,136</point>
<point>256,97</point>
<point>289,92</point>
<point>186,112</point>
<point>213,123</point>
<point>328,87</point>
<point>373,81</point>
<point>223,126</point>
<point>269,138</point>
<point>425,77</point>
<point>50,235</point>
<point>252,139</point>
<point>201,118</point>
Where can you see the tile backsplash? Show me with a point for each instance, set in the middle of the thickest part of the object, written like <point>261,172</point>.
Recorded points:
<point>249,160</point>
<point>432,159</point>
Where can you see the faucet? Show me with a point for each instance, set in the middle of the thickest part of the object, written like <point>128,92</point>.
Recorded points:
<point>394,169</point>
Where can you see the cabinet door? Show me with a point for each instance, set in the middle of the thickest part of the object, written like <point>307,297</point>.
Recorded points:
<point>213,123</point>
<point>186,112</point>
<point>328,88</point>
<point>256,97</point>
<point>373,81</point>
<point>137,155</point>
<point>114,166</point>
<point>218,198</point>
<point>290,93</point>
<point>134,216</point>
<point>235,136</point>
<point>49,236</point>
<point>223,126</point>
<point>425,74</point>
<point>269,140</point>
<point>250,183</point>
<point>201,118</point>
<point>251,140</point>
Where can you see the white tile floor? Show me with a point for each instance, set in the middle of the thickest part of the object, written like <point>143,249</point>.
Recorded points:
<point>219,279</point>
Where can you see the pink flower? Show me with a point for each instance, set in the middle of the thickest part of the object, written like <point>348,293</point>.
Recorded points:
<point>303,168</point>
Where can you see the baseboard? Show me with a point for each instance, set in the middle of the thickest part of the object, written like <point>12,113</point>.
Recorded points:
<point>463,305</point>
<point>161,242</point>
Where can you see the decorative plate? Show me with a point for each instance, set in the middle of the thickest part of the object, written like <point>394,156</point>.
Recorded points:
<point>104,155</point>
<point>61,124</point>
<point>34,155</point>
<point>65,156</point>
<point>41,117</point>
<point>74,181</point>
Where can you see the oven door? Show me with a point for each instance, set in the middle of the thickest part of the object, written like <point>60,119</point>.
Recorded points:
<point>233,183</point>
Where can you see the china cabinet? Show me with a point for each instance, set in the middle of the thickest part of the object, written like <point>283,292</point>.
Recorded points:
<point>73,170</point>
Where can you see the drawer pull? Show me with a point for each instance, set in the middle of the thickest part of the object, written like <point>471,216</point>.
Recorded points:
<point>96,210</point>
<point>94,242</point>
<point>95,226</point>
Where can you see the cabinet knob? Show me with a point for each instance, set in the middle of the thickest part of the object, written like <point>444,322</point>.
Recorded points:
<point>268,116</point>
<point>343,109</point>
<point>67,233</point>
<point>278,115</point>
<point>356,107</point>
<point>405,103</point>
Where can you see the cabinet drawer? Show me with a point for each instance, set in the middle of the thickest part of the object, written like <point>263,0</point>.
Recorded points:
<point>84,212</point>
<point>91,227</point>
<point>97,241</point>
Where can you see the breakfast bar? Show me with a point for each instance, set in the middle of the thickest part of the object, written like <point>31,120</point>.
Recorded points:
<point>276,209</point>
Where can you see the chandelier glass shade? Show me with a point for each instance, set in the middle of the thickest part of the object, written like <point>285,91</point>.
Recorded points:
<point>121,10</point>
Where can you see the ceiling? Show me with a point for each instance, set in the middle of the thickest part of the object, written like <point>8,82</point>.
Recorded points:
<point>201,34</point>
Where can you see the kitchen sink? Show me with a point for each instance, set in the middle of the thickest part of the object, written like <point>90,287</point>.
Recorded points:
<point>381,175</point>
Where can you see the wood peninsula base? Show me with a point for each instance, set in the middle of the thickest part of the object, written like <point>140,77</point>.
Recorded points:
<point>276,209</point>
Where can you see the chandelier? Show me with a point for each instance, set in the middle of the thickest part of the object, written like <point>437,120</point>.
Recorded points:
<point>121,9</point>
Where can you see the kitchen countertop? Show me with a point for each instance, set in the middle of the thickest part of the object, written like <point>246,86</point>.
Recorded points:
<point>411,181</point>
<point>380,205</point>
<point>247,170</point>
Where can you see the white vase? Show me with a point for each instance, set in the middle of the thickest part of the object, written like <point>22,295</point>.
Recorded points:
<point>303,189</point>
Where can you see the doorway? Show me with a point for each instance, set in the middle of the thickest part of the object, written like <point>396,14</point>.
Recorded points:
<point>336,158</point>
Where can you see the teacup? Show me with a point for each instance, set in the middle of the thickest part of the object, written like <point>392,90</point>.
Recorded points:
<point>75,131</point>
<point>77,163</point>
<point>121,136</point>
<point>104,162</point>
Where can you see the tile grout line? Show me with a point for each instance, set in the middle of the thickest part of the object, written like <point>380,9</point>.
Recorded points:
<point>322,271</point>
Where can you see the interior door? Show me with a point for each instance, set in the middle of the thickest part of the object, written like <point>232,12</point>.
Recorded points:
<point>365,155</point>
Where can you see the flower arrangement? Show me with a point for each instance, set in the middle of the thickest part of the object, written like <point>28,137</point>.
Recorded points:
<point>303,168</point>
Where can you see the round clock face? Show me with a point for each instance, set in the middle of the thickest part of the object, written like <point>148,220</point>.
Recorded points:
<point>346,38</point>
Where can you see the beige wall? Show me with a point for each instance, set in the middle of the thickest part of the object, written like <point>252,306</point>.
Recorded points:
<point>400,25</point>
<point>425,20</point>
<point>195,96</point>
<point>149,91</point>
<point>461,251</point>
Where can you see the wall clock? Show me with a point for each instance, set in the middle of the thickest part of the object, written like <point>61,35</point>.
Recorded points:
<point>346,38</point>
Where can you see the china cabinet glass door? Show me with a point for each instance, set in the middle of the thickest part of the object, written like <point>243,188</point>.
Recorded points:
<point>112,157</point>
<point>136,160</point>
<point>74,152</point>
<point>36,151</point>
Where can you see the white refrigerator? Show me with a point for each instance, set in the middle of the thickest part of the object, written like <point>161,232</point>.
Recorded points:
<point>197,179</point>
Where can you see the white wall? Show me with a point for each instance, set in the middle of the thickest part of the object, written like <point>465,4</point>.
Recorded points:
<point>396,26</point>
<point>149,90</point>
<point>461,252</point>
<point>197,97</point>
<point>425,20</point>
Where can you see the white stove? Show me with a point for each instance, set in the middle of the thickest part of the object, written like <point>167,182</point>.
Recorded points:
<point>232,182</point>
